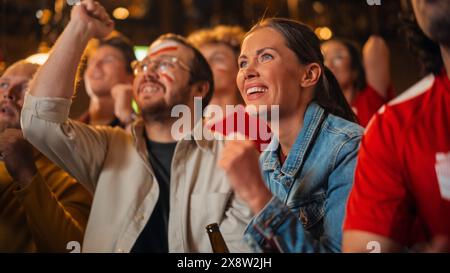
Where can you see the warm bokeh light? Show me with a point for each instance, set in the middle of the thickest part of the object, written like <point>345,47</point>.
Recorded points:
<point>324,33</point>
<point>39,14</point>
<point>44,16</point>
<point>121,13</point>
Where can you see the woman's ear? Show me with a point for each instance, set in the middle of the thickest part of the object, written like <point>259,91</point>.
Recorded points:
<point>311,75</point>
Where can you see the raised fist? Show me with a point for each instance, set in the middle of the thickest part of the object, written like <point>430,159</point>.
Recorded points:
<point>93,18</point>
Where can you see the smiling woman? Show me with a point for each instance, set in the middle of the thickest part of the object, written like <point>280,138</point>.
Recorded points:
<point>303,46</point>
<point>308,167</point>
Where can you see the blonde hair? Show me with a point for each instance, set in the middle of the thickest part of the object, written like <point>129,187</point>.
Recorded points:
<point>231,36</point>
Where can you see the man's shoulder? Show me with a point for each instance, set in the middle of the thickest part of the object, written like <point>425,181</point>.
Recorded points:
<point>401,111</point>
<point>413,94</point>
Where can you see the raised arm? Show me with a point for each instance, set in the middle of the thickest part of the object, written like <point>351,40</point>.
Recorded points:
<point>44,117</point>
<point>376,64</point>
<point>88,20</point>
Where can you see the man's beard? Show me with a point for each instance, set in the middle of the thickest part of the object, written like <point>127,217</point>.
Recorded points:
<point>158,111</point>
<point>162,110</point>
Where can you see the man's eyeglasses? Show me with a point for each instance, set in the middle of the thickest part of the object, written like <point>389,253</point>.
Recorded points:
<point>160,65</point>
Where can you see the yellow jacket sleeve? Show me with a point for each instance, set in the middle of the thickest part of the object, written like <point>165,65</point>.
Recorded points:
<point>56,207</point>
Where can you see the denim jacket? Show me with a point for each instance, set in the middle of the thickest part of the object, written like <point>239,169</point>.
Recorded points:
<point>310,189</point>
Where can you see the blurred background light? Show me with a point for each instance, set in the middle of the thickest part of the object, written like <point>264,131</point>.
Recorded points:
<point>324,33</point>
<point>121,13</point>
<point>140,52</point>
<point>318,7</point>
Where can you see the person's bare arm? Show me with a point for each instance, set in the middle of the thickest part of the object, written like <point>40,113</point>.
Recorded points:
<point>56,77</point>
<point>44,116</point>
<point>362,241</point>
<point>376,64</point>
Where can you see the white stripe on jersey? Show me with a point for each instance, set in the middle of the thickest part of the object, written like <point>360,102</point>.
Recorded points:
<point>417,89</point>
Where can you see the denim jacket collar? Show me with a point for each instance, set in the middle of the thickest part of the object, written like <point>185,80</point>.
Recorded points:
<point>312,122</point>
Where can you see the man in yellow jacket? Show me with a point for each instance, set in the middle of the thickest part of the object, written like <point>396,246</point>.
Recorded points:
<point>42,208</point>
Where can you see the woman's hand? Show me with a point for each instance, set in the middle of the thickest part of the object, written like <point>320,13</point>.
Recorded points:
<point>239,160</point>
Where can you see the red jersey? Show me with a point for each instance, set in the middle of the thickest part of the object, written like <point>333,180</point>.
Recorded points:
<point>402,179</point>
<point>367,103</point>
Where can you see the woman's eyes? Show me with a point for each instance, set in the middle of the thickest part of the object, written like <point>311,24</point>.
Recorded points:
<point>265,57</point>
<point>242,64</point>
<point>261,59</point>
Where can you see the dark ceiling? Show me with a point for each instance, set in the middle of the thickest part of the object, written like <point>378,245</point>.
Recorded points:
<point>21,32</point>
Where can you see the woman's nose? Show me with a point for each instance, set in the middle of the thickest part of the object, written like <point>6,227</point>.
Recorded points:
<point>250,71</point>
